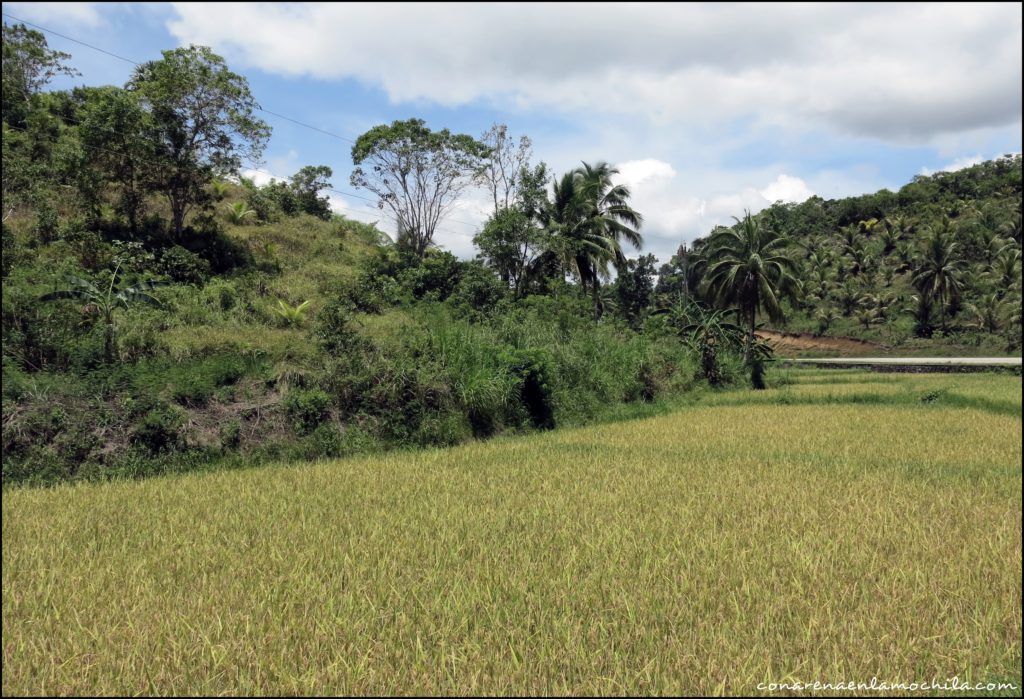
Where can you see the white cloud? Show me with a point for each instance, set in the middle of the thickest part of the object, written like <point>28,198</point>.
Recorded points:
<point>675,212</point>
<point>787,189</point>
<point>958,164</point>
<point>65,14</point>
<point>904,73</point>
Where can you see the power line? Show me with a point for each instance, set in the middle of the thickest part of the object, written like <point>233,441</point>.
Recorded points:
<point>136,63</point>
<point>261,109</point>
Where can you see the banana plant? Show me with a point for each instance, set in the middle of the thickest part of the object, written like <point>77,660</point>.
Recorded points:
<point>106,302</point>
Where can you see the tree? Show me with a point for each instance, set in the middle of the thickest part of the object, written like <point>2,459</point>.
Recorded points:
<point>681,275</point>
<point>513,239</point>
<point>416,173</point>
<point>105,303</point>
<point>509,244</point>
<point>939,273</point>
<point>28,65</point>
<point>749,266</point>
<point>307,184</point>
<point>706,331</point>
<point>204,124</point>
<point>634,288</point>
<point>118,138</point>
<point>589,217</point>
<point>503,168</point>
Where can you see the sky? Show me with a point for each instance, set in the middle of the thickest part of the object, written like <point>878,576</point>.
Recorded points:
<point>706,110</point>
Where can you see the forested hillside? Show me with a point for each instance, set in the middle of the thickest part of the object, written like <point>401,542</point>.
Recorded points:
<point>940,258</point>
<point>162,313</point>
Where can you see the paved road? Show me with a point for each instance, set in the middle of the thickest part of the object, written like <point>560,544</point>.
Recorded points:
<point>914,361</point>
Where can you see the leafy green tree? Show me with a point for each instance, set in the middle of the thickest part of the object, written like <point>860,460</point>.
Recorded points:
<point>634,288</point>
<point>1005,269</point>
<point>106,302</point>
<point>751,267</point>
<point>307,184</point>
<point>204,124</point>
<point>416,173</point>
<point>118,138</point>
<point>28,65</point>
<point>988,313</point>
<point>510,243</point>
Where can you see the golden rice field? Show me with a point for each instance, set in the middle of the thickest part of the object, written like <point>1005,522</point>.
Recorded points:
<point>841,527</point>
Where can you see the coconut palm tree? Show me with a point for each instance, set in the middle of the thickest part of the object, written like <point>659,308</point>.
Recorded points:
<point>750,266</point>
<point>106,302</point>
<point>589,219</point>
<point>1005,269</point>
<point>939,273</point>
<point>988,313</point>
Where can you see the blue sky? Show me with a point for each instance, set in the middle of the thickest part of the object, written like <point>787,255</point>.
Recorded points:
<point>706,109</point>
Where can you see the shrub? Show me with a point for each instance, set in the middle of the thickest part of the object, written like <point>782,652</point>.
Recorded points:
<point>183,266</point>
<point>159,430</point>
<point>306,409</point>
<point>230,435</point>
<point>533,368</point>
<point>193,390</point>
<point>436,275</point>
<point>334,329</point>
<point>478,292</point>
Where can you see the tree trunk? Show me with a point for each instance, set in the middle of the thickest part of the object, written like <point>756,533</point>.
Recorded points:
<point>108,342</point>
<point>750,337</point>
<point>178,217</point>
<point>595,294</point>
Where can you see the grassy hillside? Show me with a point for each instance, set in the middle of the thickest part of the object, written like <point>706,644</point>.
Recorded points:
<point>607,559</point>
<point>383,354</point>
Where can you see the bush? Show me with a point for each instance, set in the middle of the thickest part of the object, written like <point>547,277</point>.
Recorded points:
<point>306,409</point>
<point>334,329</point>
<point>533,368</point>
<point>183,266</point>
<point>159,430</point>
<point>435,276</point>
<point>194,391</point>
<point>230,435</point>
<point>478,292</point>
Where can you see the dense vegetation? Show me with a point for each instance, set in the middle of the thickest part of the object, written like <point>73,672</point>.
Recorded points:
<point>939,259</point>
<point>839,527</point>
<point>161,313</point>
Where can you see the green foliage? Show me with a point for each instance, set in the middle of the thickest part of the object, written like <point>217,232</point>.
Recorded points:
<point>184,266</point>
<point>203,120</point>
<point>334,328</point>
<point>104,303</point>
<point>230,435</point>
<point>750,266</point>
<point>158,430</point>
<point>416,173</point>
<point>288,315</point>
<point>306,409</point>
<point>28,65</point>
<point>238,213</point>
